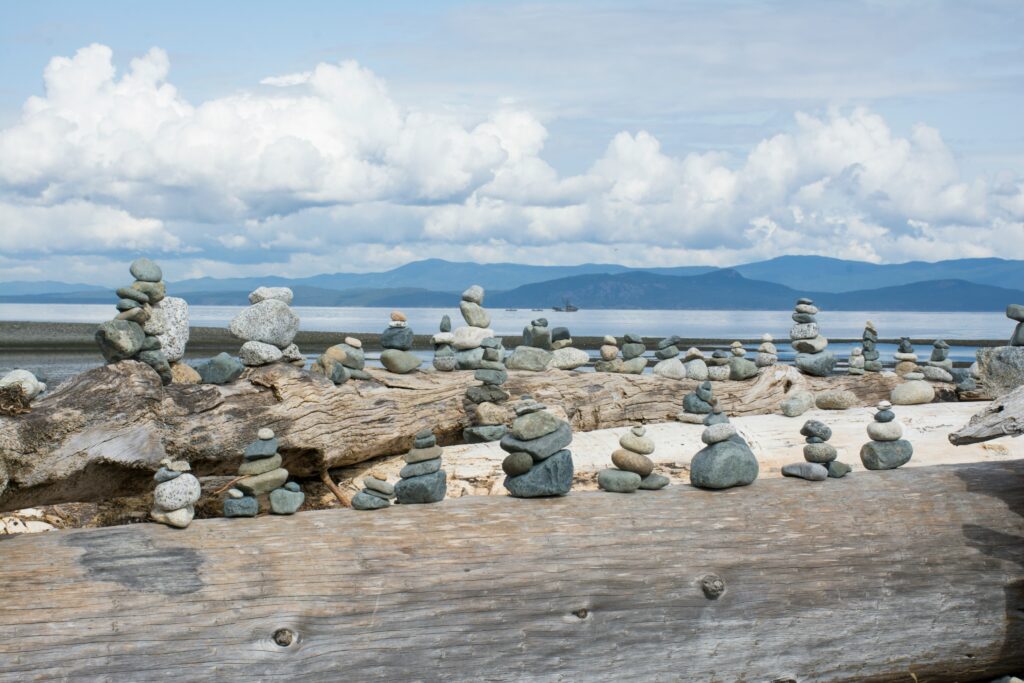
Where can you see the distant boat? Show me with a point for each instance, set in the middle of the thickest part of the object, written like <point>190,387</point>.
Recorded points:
<point>566,307</point>
<point>511,309</point>
<point>538,309</point>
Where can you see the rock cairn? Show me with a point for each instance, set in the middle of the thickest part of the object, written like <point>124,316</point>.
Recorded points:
<point>741,367</point>
<point>397,341</point>
<point>887,449</point>
<point>856,362</point>
<point>726,461</point>
<point>422,479</point>
<point>808,342</point>
<point>939,366</point>
<point>633,468</point>
<point>820,456</point>
<point>176,494</point>
<point>267,327</point>
<point>609,352</point>
<point>695,364</point>
<point>342,362</point>
<point>563,355</point>
<point>377,493</point>
<point>538,463</point>
<point>767,353</point>
<point>534,354</point>
<point>906,360</point>
<point>669,365</point>
<point>287,500</point>
<point>468,340</point>
<point>141,327</point>
<point>261,474</point>
<point>444,353</point>
<point>718,365</point>
<point>490,416</point>
<point>869,340</point>
<point>697,404</point>
<point>1015,312</point>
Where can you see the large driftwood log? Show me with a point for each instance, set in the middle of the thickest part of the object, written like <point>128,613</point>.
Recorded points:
<point>1002,417</point>
<point>103,433</point>
<point>894,576</point>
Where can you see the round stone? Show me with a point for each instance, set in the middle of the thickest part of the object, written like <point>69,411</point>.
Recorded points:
<point>885,431</point>
<point>609,352</point>
<point>265,434</point>
<point>177,493</point>
<point>885,416</point>
<point>145,270</point>
<point>235,493</point>
<point>632,462</point>
<point>914,392</point>
<point>884,405</point>
<point>618,481</point>
<point>819,452</point>
<point>398,316</point>
<point>836,399</point>
<point>637,443</point>
<point>717,433</point>
<point>515,464</point>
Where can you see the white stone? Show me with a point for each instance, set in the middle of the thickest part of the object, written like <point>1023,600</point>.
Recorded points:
<point>885,431</point>
<point>265,434</point>
<point>568,358</point>
<point>254,353</point>
<point>174,338</point>
<point>177,493</point>
<point>474,294</point>
<point>767,338</point>
<point>671,368</point>
<point>913,393</point>
<point>697,369</point>
<point>442,338</point>
<point>30,386</point>
<point>264,293</point>
<point>353,342</point>
<point>270,321</point>
<point>909,357</point>
<point>156,324</point>
<point>470,337</point>
<point>179,518</point>
<point>717,433</point>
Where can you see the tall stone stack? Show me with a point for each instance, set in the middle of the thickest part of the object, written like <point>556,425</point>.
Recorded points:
<point>669,365</point>
<point>260,472</point>
<point>887,449</point>
<point>726,461</point>
<point>697,404</point>
<point>563,355</point>
<point>609,351</point>
<point>397,341</point>
<point>126,336</point>
<point>633,468</point>
<point>538,462</point>
<point>819,455</point>
<point>422,479</point>
<point>489,415</point>
<point>767,353</point>
<point>342,362</point>
<point>940,355</point>
<point>534,354</point>
<point>267,327</point>
<point>467,340</point>
<point>809,344</point>
<point>856,362</point>
<point>176,494</point>
<point>377,493</point>
<point>444,353</point>
<point>633,349</point>
<point>869,340</point>
<point>695,364</point>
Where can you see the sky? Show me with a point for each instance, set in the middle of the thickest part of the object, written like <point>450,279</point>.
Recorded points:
<point>254,138</point>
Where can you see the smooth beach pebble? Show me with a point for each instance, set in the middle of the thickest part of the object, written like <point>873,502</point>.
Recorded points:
<point>265,434</point>
<point>632,461</point>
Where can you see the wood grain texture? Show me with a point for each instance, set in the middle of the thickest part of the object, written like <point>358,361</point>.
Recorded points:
<point>1002,417</point>
<point>875,577</point>
<point>103,433</point>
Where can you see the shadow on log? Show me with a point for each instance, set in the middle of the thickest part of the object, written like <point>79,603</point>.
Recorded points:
<point>103,433</point>
<point>874,577</point>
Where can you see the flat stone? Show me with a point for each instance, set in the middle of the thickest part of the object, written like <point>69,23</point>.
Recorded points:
<point>568,358</point>
<point>671,368</point>
<point>420,468</point>
<point>541,448</point>
<point>254,353</point>
<point>534,425</point>
<point>638,443</point>
<point>696,369</point>
<point>836,399</point>
<point>163,474</point>
<point>421,454</point>
<point>492,377</point>
<point>265,293</point>
<point>426,488</point>
<point>1015,312</point>
<point>618,481</point>
<point>654,481</point>
<point>263,483</point>
<point>146,270</point>
<point>816,364</point>
<point>179,518</point>
<point>285,502</point>
<point>484,433</point>
<point>714,418</point>
<point>814,345</point>
<point>270,321</point>
<point>936,374</point>
<point>837,470</point>
<point>811,471</point>
<point>486,393</point>
<point>515,464</point>
<point>809,309</point>
<point>365,501</point>
<point>912,393</point>
<point>399,362</point>
<point>261,448</point>
<point>886,455</point>
<point>550,477</point>
<point>723,465</point>
<point>742,369</point>
<point>177,493</point>
<point>119,340</point>
<point>465,338</point>
<point>399,338</point>
<point>803,331</point>
<point>885,431</point>
<point>250,468</point>
<point>379,485</point>
<point>820,452</point>
<point>529,358</point>
<point>632,462</point>
<point>474,294</point>
<point>246,506</point>
<point>717,433</point>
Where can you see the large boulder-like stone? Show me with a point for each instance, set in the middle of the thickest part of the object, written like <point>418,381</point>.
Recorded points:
<point>119,340</point>
<point>569,358</point>
<point>174,337</point>
<point>671,368</point>
<point>1001,368</point>
<point>271,321</point>
<point>913,393</point>
<point>528,358</point>
<point>723,465</point>
<point>465,338</point>
<point>551,477</point>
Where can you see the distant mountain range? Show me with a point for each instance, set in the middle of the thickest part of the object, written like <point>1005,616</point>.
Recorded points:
<point>957,285</point>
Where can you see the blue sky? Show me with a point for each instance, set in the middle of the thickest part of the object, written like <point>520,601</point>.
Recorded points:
<point>249,138</point>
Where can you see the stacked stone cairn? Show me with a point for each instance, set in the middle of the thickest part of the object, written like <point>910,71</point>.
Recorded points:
<point>740,367</point>
<point>726,461</point>
<point>633,350</point>
<point>698,404</point>
<point>139,332</point>
<point>377,493</point>
<point>534,354</point>
<point>267,327</point>
<point>808,342</point>
<point>467,340</point>
<point>718,365</point>
<point>870,341</point>
<point>422,479</point>
<point>767,353</point>
<point>906,360</point>
<point>444,353</point>
<point>396,341</point>
<point>342,362</point>
<point>176,494</point>
<point>669,365</point>
<point>609,351</point>
<point>856,362</point>
<point>490,416</point>
<point>695,364</point>
<point>633,468</point>
<point>261,474</point>
<point>538,462</point>
<point>820,456</point>
<point>563,355</point>
<point>939,366</point>
<point>887,449</point>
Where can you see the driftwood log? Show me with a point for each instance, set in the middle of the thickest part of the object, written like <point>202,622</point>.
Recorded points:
<point>1002,417</point>
<point>103,433</point>
<point>907,575</point>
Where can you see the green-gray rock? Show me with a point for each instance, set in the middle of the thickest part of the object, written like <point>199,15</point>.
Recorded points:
<point>285,502</point>
<point>517,463</point>
<point>417,469</point>
<point>427,488</point>
<point>654,481</point>
<point>838,470</point>
<point>723,465</point>
<point>886,455</point>
<point>618,481</point>
<point>119,340</point>
<point>365,501</point>
<point>551,477</point>
<point>221,369</point>
<point>541,448</point>
<point>534,425</point>
<point>146,270</point>
<point>399,362</point>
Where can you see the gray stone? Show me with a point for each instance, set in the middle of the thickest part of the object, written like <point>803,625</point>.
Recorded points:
<point>474,294</point>
<point>819,452</point>
<point>163,474</point>
<point>632,338</point>
<point>127,304</point>
<point>816,364</point>
<point>246,506</point>
<point>270,321</point>
<point>885,431</point>
<point>366,501</point>
<point>811,471</point>
<point>488,393</point>
<point>418,469</point>
<point>529,358</point>
<point>264,293</point>
<point>568,358</point>
<point>541,448</point>
<point>633,366</point>
<point>133,294</point>
<point>723,465</point>
<point>465,338</point>
<point>261,448</point>
<point>671,368</point>
<point>158,361</point>
<point>836,399</point>
<point>715,418</point>
<point>426,488</point>
<point>717,433</point>
<point>119,340</point>
<point>797,403</point>
<point>399,338</point>
<point>886,455</point>
<point>666,353</point>
<point>474,315</point>
<point>483,433</point>
<point>803,318</point>
<point>534,425</point>
<point>637,442</point>
<point>936,374</point>
<point>838,470</point>
<point>424,439</point>
<point>445,363</point>
<point>1015,312</point>
<point>399,362</point>
<point>446,323</point>
<point>146,270</point>
<point>551,477</point>
<point>816,428</point>
<point>250,468</point>
<point>266,482</point>
<point>179,518</point>
<point>254,353</point>
<point>156,291</point>
<point>696,369</point>
<point>265,433</point>
<point>1001,368</point>
<point>803,331</point>
<point>912,393</point>
<point>492,377</point>
<point>177,493</point>
<point>618,481</point>
<point>742,369</point>
<point>814,345</point>
<point>285,502</point>
<point>420,454</point>
<point>654,481</point>
<point>630,461</point>
<point>718,373</point>
<point>885,416</point>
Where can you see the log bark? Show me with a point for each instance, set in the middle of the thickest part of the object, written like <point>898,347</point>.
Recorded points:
<point>893,576</point>
<point>1002,417</point>
<point>103,433</point>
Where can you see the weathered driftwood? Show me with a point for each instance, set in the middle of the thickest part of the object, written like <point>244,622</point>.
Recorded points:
<point>1002,417</point>
<point>104,432</point>
<point>893,576</point>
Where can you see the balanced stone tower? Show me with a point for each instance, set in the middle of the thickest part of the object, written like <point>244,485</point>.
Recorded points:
<point>444,354</point>
<point>697,404</point>
<point>490,417</point>
<point>563,355</point>
<point>268,327</point>
<point>726,461</point>
<point>940,355</point>
<point>396,341</point>
<point>887,449</point>
<point>808,342</point>
<point>261,474</point>
<point>176,494</point>
<point>906,359</point>
<point>422,479</point>
<point>668,364</point>
<point>376,494</point>
<point>534,354</point>
<point>342,362</point>
<point>718,365</point>
<point>609,351</point>
<point>468,340</point>
<point>856,363</point>
<point>633,349</point>
<point>869,342</point>
<point>767,353</point>
<point>820,456</point>
<point>633,468</point>
<point>538,463</point>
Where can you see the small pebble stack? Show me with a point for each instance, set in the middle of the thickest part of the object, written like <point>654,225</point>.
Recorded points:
<point>422,479</point>
<point>534,354</point>
<point>856,362</point>
<point>377,493</point>
<point>808,342</point>
<point>695,364</point>
<point>887,449</point>
<point>176,494</point>
<point>467,340</point>
<point>940,355</point>
<point>490,416</point>
<point>261,473</point>
<point>444,353</point>
<point>669,365</point>
<point>396,341</point>
<point>633,468</point>
<point>906,360</point>
<point>633,350</point>
<point>125,337</point>
<point>870,342</point>
<point>820,456</point>
<point>268,327</point>
<point>767,353</point>
<point>538,463</point>
<point>563,355</point>
<point>697,404</point>
<point>726,461</point>
<point>609,361</point>
<point>342,362</point>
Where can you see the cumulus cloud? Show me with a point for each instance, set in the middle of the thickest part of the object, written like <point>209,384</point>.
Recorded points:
<point>326,171</point>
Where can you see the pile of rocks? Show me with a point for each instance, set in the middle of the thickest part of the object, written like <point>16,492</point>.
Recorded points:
<point>632,361</point>
<point>767,353</point>
<point>633,469</point>
<point>538,463</point>
<point>261,474</point>
<point>887,449</point>
<point>563,355</point>
<point>396,341</point>
<point>740,367</point>
<point>377,493</point>
<point>149,327</point>
<point>906,360</point>
<point>856,363</point>
<point>719,369</point>
<point>490,416</point>
<point>176,494</point>
<point>939,366</point>
<point>695,364</point>
<point>342,362</point>
<point>609,351</point>
<point>668,364</point>
<point>869,340</point>
<point>697,404</point>
<point>267,327</point>
<point>468,340</point>
<point>820,456</point>
<point>444,353</point>
<point>726,461</point>
<point>534,354</point>
<point>808,342</point>
<point>422,479</point>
